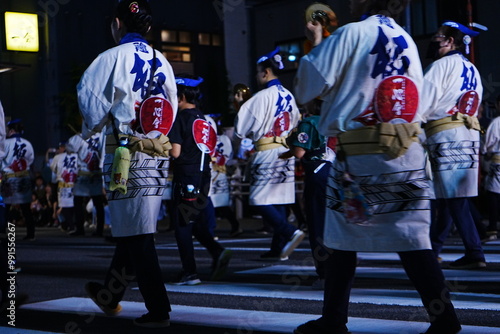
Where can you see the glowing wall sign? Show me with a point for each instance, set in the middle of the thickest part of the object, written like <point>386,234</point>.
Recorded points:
<point>21,31</point>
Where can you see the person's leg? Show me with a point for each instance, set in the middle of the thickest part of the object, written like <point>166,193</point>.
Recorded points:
<point>209,217</point>
<point>493,207</point>
<point>79,215</point>
<point>461,215</point>
<point>28,220</point>
<point>183,234</point>
<point>120,273</point>
<point>441,224</point>
<point>340,268</point>
<point>425,273</point>
<point>203,233</point>
<point>99,209</point>
<point>283,231</point>
<point>315,205</point>
<point>144,258</point>
<point>228,213</point>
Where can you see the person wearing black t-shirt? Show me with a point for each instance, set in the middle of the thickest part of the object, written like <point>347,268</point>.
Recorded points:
<point>190,138</point>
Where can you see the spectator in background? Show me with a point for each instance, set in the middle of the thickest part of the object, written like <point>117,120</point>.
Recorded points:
<point>15,165</point>
<point>268,118</point>
<point>89,182</point>
<point>65,168</point>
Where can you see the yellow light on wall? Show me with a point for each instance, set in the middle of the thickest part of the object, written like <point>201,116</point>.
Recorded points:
<point>21,31</point>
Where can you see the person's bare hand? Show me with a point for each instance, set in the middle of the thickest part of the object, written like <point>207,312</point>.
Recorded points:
<point>239,97</point>
<point>314,32</point>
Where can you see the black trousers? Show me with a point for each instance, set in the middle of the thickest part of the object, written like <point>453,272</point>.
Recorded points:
<point>98,202</point>
<point>136,258</point>
<point>28,218</point>
<point>421,267</point>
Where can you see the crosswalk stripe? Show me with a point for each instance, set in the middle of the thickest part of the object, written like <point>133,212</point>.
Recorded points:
<point>476,301</point>
<point>244,320</point>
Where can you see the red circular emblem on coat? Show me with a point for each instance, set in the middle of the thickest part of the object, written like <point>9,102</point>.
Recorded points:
<point>156,114</point>
<point>468,103</point>
<point>396,98</point>
<point>282,123</point>
<point>204,136</point>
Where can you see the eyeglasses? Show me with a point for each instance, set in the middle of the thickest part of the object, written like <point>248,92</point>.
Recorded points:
<point>438,38</point>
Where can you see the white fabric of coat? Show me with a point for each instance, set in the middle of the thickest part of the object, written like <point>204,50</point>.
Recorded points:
<point>491,146</point>
<point>90,153</point>
<point>65,167</point>
<point>116,83</point>
<point>344,73</point>
<point>15,165</point>
<point>454,153</point>
<point>219,185</point>
<point>272,180</point>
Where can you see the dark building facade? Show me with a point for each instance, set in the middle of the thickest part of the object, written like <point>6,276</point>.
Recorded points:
<point>219,40</point>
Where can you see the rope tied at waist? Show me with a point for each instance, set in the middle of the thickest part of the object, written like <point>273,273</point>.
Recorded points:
<point>23,173</point>
<point>451,122</point>
<point>384,138</point>
<point>268,143</point>
<point>152,146</point>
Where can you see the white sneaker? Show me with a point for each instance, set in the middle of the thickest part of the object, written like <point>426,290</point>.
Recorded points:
<point>290,246</point>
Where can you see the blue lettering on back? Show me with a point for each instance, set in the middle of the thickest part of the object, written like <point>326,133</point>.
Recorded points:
<point>283,104</point>
<point>141,80</point>
<point>389,55</point>
<point>470,80</point>
<point>19,150</point>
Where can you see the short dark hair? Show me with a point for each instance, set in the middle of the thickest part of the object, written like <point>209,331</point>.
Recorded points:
<point>136,14</point>
<point>457,35</point>
<point>191,94</point>
<point>271,64</point>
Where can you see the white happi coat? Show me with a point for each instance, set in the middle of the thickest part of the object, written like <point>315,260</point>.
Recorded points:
<point>344,71</point>
<point>272,180</point>
<point>16,185</point>
<point>115,84</point>
<point>90,153</point>
<point>491,146</point>
<point>65,167</point>
<point>219,185</point>
<point>454,153</point>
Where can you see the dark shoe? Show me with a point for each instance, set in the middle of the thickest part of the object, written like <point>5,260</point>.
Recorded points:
<point>466,263</point>
<point>264,231</point>
<point>221,264</point>
<point>149,321</point>
<point>93,290</point>
<point>187,279</point>
<point>29,238</point>
<point>235,233</point>
<point>97,234</point>
<point>316,327</point>
<point>272,256</point>
<point>76,233</point>
<point>290,246</point>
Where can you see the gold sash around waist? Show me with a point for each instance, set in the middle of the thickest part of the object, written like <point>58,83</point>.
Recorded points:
<point>268,143</point>
<point>152,146</point>
<point>451,122</point>
<point>391,139</point>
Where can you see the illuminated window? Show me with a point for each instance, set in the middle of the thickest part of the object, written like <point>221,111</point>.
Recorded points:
<point>204,38</point>
<point>184,37</point>
<point>169,36</point>
<point>216,40</point>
